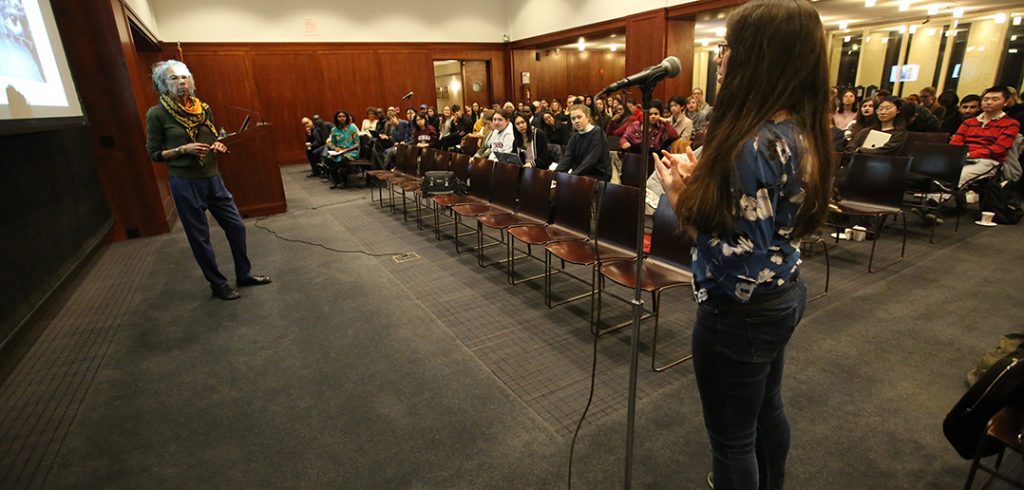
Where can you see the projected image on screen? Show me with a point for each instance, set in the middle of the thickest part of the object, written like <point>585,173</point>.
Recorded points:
<point>17,49</point>
<point>35,82</point>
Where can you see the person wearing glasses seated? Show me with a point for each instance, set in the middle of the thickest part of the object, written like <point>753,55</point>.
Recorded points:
<point>662,133</point>
<point>424,135</point>
<point>181,134</point>
<point>888,120</point>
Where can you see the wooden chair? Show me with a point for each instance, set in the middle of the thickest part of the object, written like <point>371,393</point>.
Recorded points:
<point>874,189</point>
<point>504,192</point>
<point>921,137</point>
<point>570,219</point>
<point>459,165</point>
<point>1003,431</point>
<point>633,173</point>
<point>615,239</point>
<point>435,161</point>
<point>667,266</point>
<point>533,208</point>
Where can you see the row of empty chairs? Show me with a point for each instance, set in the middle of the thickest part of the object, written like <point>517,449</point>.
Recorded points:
<point>578,220</point>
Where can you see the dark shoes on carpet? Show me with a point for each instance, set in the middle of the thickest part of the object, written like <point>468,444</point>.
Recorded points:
<point>226,292</point>
<point>254,281</point>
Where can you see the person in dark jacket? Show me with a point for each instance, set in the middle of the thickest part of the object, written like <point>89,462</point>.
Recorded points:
<point>970,107</point>
<point>400,132</point>
<point>587,151</point>
<point>317,132</point>
<point>889,119</point>
<point>557,133</point>
<point>532,144</point>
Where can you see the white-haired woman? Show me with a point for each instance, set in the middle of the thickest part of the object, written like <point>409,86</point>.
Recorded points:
<point>180,133</point>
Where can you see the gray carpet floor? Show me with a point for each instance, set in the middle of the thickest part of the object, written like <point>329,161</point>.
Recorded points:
<point>356,371</point>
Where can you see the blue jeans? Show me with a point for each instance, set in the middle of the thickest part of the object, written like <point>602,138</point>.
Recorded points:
<point>738,358</point>
<point>192,197</point>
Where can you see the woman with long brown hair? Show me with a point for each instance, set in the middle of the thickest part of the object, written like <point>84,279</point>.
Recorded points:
<point>762,182</point>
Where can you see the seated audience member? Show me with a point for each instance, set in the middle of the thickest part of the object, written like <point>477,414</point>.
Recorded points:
<point>317,132</point>
<point>988,136</point>
<point>532,144</point>
<point>633,112</point>
<point>662,133</point>
<point>424,135</point>
<point>486,132</point>
<point>912,99</point>
<point>504,135</point>
<point>693,113</point>
<point>678,120</point>
<point>400,132</point>
<point>865,118</point>
<point>482,126</point>
<point>410,115</point>
<point>344,139</point>
<point>588,101</point>
<point>929,101</point>
<point>920,119</point>
<point>557,133</point>
<point>556,111</point>
<point>1013,107</point>
<point>618,119</point>
<point>888,120</point>
<point>600,114</point>
<point>476,112</point>
<point>838,137</point>
<point>846,109</point>
<point>508,107</point>
<point>970,107</point>
<point>463,125</point>
<point>372,121</point>
<point>702,106</point>
<point>587,151</point>
<point>446,137</point>
<point>433,118</point>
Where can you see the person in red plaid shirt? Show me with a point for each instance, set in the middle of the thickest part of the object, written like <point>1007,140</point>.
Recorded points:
<point>988,136</point>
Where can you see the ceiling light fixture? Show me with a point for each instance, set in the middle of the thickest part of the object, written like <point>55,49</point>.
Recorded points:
<point>1000,18</point>
<point>958,13</point>
<point>904,5</point>
<point>869,3</point>
<point>933,10</point>
<point>843,25</point>
<point>1016,20</point>
<point>846,39</point>
<point>720,32</point>
<point>913,29</point>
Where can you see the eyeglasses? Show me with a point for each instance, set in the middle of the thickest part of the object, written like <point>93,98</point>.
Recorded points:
<point>722,48</point>
<point>175,78</point>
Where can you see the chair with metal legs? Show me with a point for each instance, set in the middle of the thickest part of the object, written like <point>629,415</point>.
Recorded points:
<point>532,208</point>
<point>570,219</point>
<point>667,266</point>
<point>874,189</point>
<point>460,165</point>
<point>615,239</point>
<point>504,192</point>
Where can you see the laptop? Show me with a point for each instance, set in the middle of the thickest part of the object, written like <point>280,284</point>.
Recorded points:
<point>508,158</point>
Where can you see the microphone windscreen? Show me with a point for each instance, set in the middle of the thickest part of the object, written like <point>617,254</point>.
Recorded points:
<point>672,66</point>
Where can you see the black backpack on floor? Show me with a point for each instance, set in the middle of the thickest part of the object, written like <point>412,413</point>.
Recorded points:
<point>1000,386</point>
<point>997,198</point>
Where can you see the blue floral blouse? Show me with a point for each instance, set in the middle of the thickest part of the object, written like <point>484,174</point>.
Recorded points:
<point>760,253</point>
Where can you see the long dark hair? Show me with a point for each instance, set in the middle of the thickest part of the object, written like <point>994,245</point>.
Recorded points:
<point>839,101</point>
<point>778,60</point>
<point>899,121</point>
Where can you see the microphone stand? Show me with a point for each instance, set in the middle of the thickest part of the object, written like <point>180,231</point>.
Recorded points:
<point>647,91</point>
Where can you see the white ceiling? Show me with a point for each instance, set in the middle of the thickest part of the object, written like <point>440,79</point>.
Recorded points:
<point>884,12</point>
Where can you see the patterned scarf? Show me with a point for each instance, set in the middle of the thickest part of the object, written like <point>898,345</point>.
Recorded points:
<point>191,116</point>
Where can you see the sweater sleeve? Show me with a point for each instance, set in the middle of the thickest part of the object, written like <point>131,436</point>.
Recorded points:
<point>998,150</point>
<point>590,153</point>
<point>154,136</point>
<point>961,133</point>
<point>892,147</point>
<point>565,162</point>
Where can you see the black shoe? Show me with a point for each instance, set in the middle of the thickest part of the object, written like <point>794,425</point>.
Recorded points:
<point>254,281</point>
<point>226,293</point>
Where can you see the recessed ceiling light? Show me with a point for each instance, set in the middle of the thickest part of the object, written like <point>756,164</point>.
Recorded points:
<point>933,10</point>
<point>904,5</point>
<point>958,13</point>
<point>846,39</point>
<point>913,29</point>
<point>869,3</point>
<point>613,35</point>
<point>843,25</point>
<point>1000,18</point>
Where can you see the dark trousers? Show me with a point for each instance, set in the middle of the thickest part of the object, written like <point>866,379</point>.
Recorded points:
<point>738,359</point>
<point>192,197</point>
<point>314,161</point>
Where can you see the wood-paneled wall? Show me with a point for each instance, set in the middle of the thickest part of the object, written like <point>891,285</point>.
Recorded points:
<point>566,72</point>
<point>284,82</point>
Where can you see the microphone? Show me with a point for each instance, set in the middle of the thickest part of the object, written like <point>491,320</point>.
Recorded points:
<point>249,111</point>
<point>668,68</point>
<point>407,96</point>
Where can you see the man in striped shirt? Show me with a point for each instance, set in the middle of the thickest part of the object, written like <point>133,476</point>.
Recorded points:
<point>988,136</point>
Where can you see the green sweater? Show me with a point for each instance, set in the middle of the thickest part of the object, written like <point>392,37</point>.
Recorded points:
<point>164,133</point>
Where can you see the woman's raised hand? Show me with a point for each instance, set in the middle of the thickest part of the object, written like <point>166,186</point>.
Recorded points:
<point>675,171</point>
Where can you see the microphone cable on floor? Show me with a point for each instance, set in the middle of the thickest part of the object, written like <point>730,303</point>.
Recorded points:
<point>320,245</point>
<point>590,399</point>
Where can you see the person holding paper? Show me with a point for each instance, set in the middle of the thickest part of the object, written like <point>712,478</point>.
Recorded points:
<point>342,147</point>
<point>886,135</point>
<point>180,133</point>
